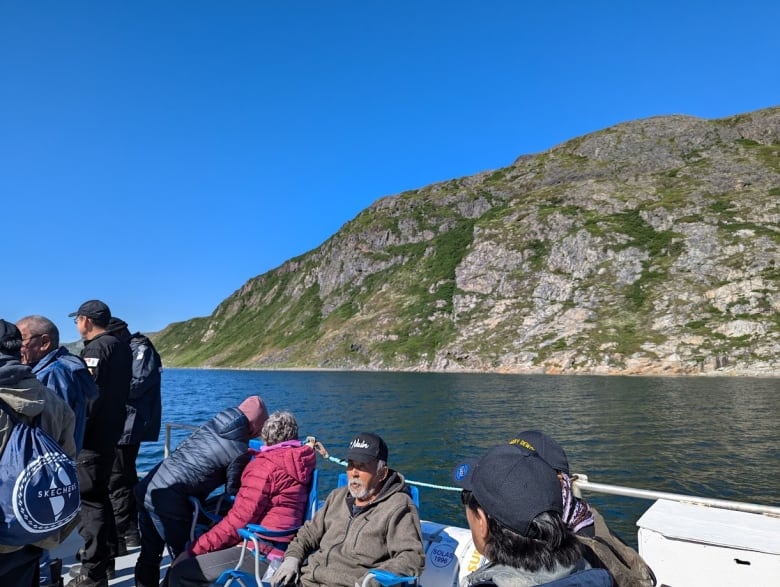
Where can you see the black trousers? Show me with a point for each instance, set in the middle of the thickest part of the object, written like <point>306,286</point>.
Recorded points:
<point>20,568</point>
<point>203,570</point>
<point>97,516</point>
<point>124,478</point>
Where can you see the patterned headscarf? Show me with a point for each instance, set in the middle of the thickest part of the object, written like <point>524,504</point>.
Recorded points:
<point>576,512</point>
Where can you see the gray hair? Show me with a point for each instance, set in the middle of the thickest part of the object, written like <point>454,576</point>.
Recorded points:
<point>279,426</point>
<point>38,325</point>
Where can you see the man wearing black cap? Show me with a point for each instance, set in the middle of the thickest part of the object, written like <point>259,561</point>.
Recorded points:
<point>371,523</point>
<point>513,508</point>
<point>29,400</point>
<point>110,362</point>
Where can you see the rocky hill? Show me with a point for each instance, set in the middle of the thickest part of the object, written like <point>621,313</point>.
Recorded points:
<point>651,247</point>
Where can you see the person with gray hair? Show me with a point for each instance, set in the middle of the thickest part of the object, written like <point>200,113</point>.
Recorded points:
<point>274,492</point>
<point>57,368</point>
<point>372,523</point>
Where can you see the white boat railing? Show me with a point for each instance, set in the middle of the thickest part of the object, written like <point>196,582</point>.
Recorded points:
<point>580,483</point>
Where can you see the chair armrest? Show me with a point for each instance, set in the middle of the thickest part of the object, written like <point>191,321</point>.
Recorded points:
<point>258,529</point>
<point>386,578</point>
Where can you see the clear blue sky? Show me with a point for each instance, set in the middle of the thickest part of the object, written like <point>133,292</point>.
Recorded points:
<point>158,154</point>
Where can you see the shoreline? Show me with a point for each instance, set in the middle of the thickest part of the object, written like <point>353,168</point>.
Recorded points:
<point>552,373</point>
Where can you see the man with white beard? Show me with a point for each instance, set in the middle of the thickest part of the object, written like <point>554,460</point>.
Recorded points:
<point>371,523</point>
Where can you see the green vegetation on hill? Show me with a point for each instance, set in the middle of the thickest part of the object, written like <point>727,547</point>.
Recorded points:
<point>649,247</point>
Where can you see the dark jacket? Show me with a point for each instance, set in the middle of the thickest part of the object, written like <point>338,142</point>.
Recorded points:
<point>68,376</point>
<point>144,403</point>
<point>213,455</point>
<point>110,362</point>
<point>274,492</point>
<point>341,548</point>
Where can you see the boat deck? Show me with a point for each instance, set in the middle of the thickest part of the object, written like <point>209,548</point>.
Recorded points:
<point>125,565</point>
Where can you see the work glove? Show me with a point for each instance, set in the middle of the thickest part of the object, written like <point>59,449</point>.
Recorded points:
<point>287,573</point>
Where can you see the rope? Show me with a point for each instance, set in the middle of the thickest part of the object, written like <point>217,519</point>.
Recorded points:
<point>320,448</point>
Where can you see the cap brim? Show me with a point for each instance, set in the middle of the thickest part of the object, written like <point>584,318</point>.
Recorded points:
<point>361,458</point>
<point>463,474</point>
<point>72,314</point>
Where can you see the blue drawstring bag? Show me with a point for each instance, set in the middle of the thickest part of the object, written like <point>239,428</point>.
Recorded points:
<point>39,490</point>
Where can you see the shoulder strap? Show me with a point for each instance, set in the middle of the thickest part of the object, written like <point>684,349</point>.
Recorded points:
<point>10,411</point>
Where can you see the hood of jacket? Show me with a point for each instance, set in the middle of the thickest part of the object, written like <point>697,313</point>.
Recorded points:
<point>19,388</point>
<point>296,459</point>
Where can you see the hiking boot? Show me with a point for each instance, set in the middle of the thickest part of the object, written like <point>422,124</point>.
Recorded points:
<point>75,570</point>
<point>86,581</point>
<point>132,540</point>
<point>147,575</point>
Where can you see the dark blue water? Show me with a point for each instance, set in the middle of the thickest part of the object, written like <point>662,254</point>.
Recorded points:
<point>716,437</point>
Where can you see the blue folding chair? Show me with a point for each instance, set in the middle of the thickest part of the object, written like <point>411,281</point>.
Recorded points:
<point>412,490</point>
<point>256,535</point>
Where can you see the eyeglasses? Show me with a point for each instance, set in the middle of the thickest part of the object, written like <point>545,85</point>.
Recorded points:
<point>76,319</point>
<point>26,341</point>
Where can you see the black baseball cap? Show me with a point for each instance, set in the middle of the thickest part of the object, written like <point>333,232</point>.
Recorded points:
<point>512,484</point>
<point>548,449</point>
<point>367,447</point>
<point>95,310</point>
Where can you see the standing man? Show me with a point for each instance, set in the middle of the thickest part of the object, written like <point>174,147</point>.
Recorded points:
<point>142,424</point>
<point>67,375</point>
<point>57,368</point>
<point>31,401</point>
<point>110,363</point>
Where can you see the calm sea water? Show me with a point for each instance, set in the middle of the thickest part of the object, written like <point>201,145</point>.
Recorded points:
<point>716,437</point>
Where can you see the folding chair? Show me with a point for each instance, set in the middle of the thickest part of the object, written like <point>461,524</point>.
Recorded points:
<point>256,535</point>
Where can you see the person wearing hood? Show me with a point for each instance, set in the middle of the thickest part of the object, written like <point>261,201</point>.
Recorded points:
<point>274,493</point>
<point>142,424</point>
<point>65,373</point>
<point>21,391</point>
<point>215,454</point>
<point>371,523</point>
<point>513,509</point>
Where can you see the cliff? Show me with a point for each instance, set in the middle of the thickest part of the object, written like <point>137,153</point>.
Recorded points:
<point>651,247</point>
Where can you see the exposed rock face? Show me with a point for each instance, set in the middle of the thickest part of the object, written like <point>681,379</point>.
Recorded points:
<point>650,247</point>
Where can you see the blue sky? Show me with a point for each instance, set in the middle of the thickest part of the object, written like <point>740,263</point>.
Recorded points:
<point>158,154</point>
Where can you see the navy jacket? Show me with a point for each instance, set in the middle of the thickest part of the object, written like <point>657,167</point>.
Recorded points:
<point>213,455</point>
<point>67,374</point>
<point>144,403</point>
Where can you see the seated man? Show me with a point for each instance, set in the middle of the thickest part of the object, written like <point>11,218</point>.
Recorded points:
<point>274,492</point>
<point>215,454</point>
<point>513,508</point>
<point>371,523</point>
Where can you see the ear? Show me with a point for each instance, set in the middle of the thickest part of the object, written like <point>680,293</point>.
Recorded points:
<point>481,527</point>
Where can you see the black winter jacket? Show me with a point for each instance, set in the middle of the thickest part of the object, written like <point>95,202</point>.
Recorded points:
<point>215,454</point>
<point>110,363</point>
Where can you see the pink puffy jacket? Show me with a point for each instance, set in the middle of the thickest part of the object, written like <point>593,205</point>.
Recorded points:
<point>274,491</point>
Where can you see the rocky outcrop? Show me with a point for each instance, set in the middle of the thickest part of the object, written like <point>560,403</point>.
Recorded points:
<point>652,247</point>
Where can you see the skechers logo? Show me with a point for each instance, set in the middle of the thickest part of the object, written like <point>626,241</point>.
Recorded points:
<point>46,494</point>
